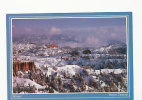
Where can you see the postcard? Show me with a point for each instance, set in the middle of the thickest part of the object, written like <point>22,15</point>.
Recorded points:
<point>75,56</point>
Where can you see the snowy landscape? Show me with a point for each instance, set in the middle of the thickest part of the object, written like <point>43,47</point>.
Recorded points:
<point>65,70</point>
<point>71,55</point>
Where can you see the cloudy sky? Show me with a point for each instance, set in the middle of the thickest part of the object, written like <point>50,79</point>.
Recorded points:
<point>73,32</point>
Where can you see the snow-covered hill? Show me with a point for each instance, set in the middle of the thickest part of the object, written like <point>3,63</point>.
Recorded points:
<point>66,69</point>
<point>118,48</point>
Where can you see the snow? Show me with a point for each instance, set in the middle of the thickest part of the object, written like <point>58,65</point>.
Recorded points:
<point>53,61</point>
<point>70,69</point>
<point>116,71</point>
<point>25,82</point>
<point>105,49</point>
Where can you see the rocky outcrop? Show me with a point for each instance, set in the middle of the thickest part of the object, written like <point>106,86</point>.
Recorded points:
<point>23,66</point>
<point>52,45</point>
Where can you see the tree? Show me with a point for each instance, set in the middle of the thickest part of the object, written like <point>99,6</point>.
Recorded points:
<point>87,51</point>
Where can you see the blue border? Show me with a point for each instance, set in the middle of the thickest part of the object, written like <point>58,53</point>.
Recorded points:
<point>71,96</point>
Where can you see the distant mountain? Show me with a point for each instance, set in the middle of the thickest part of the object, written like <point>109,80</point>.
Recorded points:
<point>116,48</point>
<point>44,39</point>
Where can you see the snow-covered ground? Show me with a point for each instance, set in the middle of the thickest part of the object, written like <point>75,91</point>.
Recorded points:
<point>25,82</point>
<point>62,70</point>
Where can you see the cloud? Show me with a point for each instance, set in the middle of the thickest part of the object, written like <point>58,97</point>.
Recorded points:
<point>97,36</point>
<point>27,29</point>
<point>55,30</point>
<point>94,36</point>
<point>92,40</point>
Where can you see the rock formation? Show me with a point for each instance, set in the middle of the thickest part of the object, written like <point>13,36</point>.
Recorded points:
<point>23,66</point>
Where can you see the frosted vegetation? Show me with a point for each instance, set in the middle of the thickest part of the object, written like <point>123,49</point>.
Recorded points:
<point>67,70</point>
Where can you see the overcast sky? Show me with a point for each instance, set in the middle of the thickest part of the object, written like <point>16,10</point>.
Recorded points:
<point>74,32</point>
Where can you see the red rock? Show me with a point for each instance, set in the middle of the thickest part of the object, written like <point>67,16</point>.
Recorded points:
<point>23,66</point>
<point>53,45</point>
